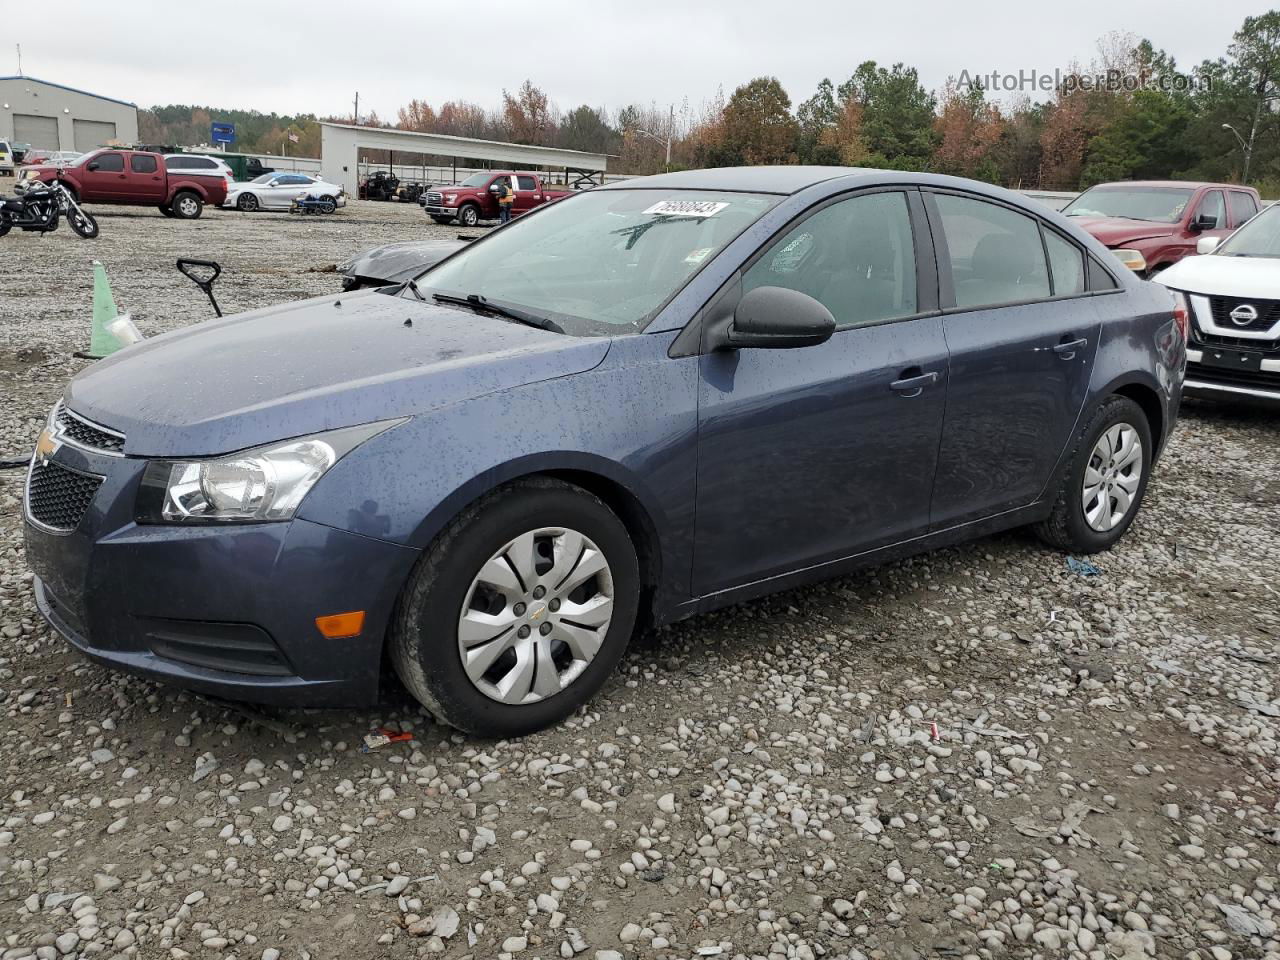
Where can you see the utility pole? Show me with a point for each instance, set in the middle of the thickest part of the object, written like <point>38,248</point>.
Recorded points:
<point>356,121</point>
<point>666,141</point>
<point>19,59</point>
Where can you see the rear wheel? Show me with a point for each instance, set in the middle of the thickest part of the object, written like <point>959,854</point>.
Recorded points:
<point>5,225</point>
<point>247,202</point>
<point>519,611</point>
<point>187,206</point>
<point>1104,481</point>
<point>166,210</point>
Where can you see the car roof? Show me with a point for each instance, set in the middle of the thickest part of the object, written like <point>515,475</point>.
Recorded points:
<point>777,179</point>
<point>1186,184</point>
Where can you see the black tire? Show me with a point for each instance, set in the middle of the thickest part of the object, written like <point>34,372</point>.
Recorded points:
<point>1066,526</point>
<point>328,205</point>
<point>82,222</point>
<point>469,215</point>
<point>166,210</point>
<point>443,221</point>
<point>5,225</point>
<point>429,663</point>
<point>187,206</point>
<point>75,194</point>
<point>248,202</point>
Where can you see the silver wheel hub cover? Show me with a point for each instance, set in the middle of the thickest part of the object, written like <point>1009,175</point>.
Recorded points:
<point>1112,477</point>
<point>535,615</point>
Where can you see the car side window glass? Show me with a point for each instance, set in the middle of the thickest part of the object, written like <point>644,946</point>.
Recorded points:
<point>1242,207</point>
<point>527,183</point>
<point>177,163</point>
<point>110,163</point>
<point>996,255</point>
<point>1066,264</point>
<point>856,257</point>
<point>141,163</point>
<point>1212,206</point>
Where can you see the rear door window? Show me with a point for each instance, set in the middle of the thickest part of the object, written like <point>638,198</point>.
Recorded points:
<point>1066,264</point>
<point>996,254</point>
<point>527,183</point>
<point>1243,207</point>
<point>142,163</point>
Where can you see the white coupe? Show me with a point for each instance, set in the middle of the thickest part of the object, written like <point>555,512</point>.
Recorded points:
<point>275,191</point>
<point>1233,291</point>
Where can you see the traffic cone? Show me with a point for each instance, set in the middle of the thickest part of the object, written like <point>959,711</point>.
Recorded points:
<point>101,341</point>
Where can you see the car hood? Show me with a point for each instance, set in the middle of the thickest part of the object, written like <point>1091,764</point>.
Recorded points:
<point>1218,275</point>
<point>400,261</point>
<point>1117,231</point>
<point>314,365</point>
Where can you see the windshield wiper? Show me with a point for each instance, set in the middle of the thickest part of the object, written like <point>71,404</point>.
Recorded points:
<point>400,288</point>
<point>477,302</point>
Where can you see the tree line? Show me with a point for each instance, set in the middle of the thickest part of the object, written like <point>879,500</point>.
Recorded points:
<point>1149,119</point>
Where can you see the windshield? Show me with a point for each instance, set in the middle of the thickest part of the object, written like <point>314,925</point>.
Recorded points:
<point>1158,204</point>
<point>80,160</point>
<point>263,179</point>
<point>1260,237</point>
<point>599,263</point>
<point>476,180</point>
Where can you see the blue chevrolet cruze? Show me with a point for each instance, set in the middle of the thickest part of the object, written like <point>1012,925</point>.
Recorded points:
<point>637,404</point>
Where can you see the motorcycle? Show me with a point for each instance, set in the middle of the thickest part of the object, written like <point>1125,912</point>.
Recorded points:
<point>40,207</point>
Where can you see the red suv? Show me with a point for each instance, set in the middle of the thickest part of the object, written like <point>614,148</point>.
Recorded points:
<point>1152,224</point>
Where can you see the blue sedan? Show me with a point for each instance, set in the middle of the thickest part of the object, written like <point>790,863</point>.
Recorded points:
<point>637,404</point>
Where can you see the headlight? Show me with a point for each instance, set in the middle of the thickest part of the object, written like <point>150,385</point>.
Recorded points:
<point>1132,259</point>
<point>255,486</point>
<point>450,198</point>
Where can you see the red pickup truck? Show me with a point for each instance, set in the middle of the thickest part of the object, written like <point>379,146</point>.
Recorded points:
<point>474,199</point>
<point>1152,224</point>
<point>131,177</point>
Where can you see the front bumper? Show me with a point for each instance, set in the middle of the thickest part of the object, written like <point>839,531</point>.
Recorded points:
<point>1215,382</point>
<point>437,211</point>
<point>226,610</point>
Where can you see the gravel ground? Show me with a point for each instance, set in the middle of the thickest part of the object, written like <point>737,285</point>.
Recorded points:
<point>976,753</point>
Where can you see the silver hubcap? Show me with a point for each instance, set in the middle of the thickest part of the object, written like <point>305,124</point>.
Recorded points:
<point>187,206</point>
<point>535,615</point>
<point>1111,477</point>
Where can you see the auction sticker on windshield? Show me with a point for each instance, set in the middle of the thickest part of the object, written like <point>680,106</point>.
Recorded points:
<point>687,208</point>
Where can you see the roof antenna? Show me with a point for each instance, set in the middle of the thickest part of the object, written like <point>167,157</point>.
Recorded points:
<point>19,46</point>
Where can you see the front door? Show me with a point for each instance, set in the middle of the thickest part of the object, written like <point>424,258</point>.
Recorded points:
<point>813,454</point>
<point>1022,336</point>
<point>103,177</point>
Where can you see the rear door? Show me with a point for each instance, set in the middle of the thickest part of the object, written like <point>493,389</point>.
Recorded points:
<point>1243,207</point>
<point>146,181</point>
<point>814,454</point>
<point>528,195</point>
<point>1022,333</point>
<point>104,177</point>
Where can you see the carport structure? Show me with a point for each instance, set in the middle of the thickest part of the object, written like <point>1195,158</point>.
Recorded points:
<point>340,144</point>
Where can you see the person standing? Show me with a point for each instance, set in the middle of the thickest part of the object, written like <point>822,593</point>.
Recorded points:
<point>506,198</point>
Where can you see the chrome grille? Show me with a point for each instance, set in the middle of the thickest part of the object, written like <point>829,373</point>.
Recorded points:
<point>1268,313</point>
<point>84,433</point>
<point>435,199</point>
<point>58,498</point>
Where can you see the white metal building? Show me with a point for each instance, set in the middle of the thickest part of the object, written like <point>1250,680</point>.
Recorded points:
<point>50,116</point>
<point>340,144</point>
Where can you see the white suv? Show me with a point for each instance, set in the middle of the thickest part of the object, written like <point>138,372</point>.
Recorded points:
<point>6,158</point>
<point>198,165</point>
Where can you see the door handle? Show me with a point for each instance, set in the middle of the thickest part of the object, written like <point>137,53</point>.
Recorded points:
<point>914,385</point>
<point>1067,349</point>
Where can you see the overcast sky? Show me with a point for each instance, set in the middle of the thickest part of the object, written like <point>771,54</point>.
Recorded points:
<point>311,56</point>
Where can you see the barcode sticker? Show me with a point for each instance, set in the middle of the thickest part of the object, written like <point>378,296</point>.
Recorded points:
<point>687,208</point>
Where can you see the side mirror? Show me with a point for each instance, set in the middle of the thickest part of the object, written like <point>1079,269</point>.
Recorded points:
<point>775,318</point>
<point>1204,222</point>
<point>93,166</point>
<point>1207,244</point>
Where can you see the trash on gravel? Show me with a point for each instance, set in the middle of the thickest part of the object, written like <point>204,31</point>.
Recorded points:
<point>205,765</point>
<point>1082,567</point>
<point>383,736</point>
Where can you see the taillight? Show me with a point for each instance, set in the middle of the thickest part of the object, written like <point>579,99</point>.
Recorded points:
<point>1182,315</point>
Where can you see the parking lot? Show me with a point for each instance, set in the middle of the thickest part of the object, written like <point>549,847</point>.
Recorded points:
<point>979,752</point>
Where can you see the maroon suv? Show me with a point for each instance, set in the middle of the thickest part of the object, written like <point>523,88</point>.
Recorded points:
<point>1152,224</point>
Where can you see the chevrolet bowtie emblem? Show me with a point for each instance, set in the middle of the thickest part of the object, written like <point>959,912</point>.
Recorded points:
<point>46,446</point>
<point>537,614</point>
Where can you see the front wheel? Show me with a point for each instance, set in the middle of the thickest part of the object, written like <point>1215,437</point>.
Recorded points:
<point>328,205</point>
<point>469,215</point>
<point>82,222</point>
<point>519,611</point>
<point>443,221</point>
<point>187,206</point>
<point>1104,481</point>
